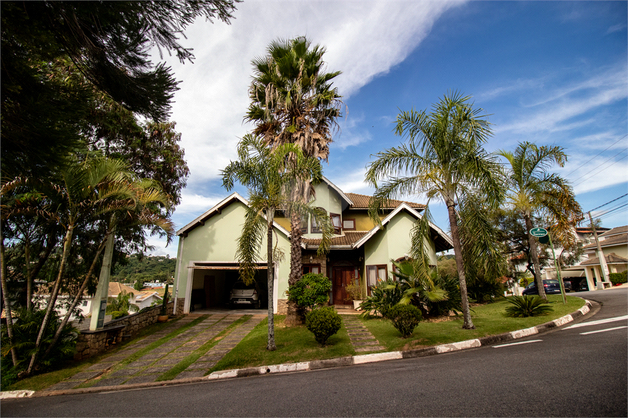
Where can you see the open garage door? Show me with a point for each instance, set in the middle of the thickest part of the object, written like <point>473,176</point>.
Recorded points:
<point>212,284</point>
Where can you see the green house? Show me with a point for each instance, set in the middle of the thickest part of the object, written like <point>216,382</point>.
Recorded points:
<point>207,268</point>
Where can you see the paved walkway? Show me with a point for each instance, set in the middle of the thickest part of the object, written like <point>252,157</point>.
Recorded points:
<point>161,352</point>
<point>361,338</point>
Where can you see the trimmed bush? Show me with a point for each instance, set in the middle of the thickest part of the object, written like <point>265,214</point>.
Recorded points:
<point>619,278</point>
<point>404,318</point>
<point>311,291</point>
<point>524,306</point>
<point>323,323</point>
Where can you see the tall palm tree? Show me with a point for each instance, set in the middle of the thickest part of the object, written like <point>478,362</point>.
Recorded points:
<point>532,190</point>
<point>266,174</point>
<point>442,158</point>
<point>293,102</point>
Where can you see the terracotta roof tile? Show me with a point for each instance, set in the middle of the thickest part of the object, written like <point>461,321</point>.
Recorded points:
<point>612,258</point>
<point>610,240</point>
<point>349,238</point>
<point>361,201</point>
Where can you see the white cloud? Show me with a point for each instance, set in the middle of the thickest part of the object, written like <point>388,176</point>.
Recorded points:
<point>363,39</point>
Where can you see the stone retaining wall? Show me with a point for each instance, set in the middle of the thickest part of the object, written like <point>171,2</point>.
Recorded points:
<point>91,343</point>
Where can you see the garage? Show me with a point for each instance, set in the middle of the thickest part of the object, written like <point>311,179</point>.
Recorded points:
<point>212,284</point>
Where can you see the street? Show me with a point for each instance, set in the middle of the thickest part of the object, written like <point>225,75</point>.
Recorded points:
<point>576,370</point>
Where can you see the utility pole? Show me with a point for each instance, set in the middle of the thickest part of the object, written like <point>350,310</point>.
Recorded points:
<point>600,254</point>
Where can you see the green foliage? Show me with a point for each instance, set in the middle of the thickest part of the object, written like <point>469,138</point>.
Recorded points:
<point>25,330</point>
<point>525,306</point>
<point>404,318</point>
<point>144,268</point>
<point>323,323</point>
<point>311,291</point>
<point>384,296</point>
<point>618,278</point>
<point>164,302</point>
<point>120,305</point>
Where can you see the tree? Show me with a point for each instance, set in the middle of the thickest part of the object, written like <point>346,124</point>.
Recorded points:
<point>266,175</point>
<point>293,102</point>
<point>107,43</point>
<point>443,158</point>
<point>532,190</point>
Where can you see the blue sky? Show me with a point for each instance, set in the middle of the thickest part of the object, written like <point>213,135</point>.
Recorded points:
<point>553,73</point>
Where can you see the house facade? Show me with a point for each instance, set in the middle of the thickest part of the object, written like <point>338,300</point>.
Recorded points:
<point>614,245</point>
<point>207,267</point>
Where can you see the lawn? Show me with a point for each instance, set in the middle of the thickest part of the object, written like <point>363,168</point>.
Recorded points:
<point>294,344</point>
<point>489,319</point>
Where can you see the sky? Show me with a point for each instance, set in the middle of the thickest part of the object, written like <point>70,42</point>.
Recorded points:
<point>551,73</point>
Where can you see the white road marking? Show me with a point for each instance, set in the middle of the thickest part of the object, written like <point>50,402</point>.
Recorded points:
<point>602,330</point>
<point>601,321</point>
<point>519,343</point>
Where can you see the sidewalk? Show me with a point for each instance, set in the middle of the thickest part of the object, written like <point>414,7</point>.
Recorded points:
<point>184,353</point>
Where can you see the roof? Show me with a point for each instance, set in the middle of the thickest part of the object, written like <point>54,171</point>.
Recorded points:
<point>612,258</point>
<point>587,230</point>
<point>609,241</point>
<point>217,209</point>
<point>140,296</point>
<point>355,239</point>
<point>116,288</point>
<point>616,231</point>
<point>361,201</point>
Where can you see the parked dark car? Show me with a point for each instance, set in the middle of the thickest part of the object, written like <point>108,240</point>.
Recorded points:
<point>552,287</point>
<point>568,286</point>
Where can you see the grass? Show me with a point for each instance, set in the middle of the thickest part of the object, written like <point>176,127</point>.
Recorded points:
<point>196,354</point>
<point>488,319</point>
<point>294,344</point>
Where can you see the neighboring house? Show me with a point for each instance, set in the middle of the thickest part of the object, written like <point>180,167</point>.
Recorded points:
<point>207,267</point>
<point>141,299</point>
<point>614,244</point>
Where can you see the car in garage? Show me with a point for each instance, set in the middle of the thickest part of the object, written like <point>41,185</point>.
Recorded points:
<point>552,287</point>
<point>243,294</point>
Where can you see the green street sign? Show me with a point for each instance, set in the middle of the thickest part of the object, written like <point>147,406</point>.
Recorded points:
<point>538,232</point>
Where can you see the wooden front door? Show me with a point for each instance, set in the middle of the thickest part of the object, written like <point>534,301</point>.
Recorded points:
<point>342,277</point>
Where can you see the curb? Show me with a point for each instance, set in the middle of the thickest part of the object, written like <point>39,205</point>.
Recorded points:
<point>324,364</point>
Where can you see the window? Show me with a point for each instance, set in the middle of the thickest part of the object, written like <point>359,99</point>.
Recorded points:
<point>348,224</point>
<point>304,224</point>
<point>315,228</point>
<point>311,268</point>
<point>375,273</point>
<point>335,221</point>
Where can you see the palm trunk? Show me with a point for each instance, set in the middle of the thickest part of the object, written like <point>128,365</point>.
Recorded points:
<point>293,316</point>
<point>270,277</point>
<point>78,297</point>
<point>5,300</point>
<point>53,296</point>
<point>535,258</point>
<point>51,245</point>
<point>453,224</point>
<point>29,279</point>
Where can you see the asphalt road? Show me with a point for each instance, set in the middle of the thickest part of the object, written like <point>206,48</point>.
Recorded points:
<point>571,371</point>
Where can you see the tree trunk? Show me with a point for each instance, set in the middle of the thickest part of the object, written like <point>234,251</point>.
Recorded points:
<point>50,245</point>
<point>78,297</point>
<point>293,317</point>
<point>67,241</point>
<point>271,277</point>
<point>453,224</point>
<point>5,300</point>
<point>29,279</point>
<point>535,258</point>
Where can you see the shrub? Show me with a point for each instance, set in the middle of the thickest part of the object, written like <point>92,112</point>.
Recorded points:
<point>524,306</point>
<point>323,323</point>
<point>618,278</point>
<point>404,318</point>
<point>25,330</point>
<point>312,290</point>
<point>384,296</point>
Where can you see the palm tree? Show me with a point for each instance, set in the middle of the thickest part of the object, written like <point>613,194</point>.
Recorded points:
<point>267,174</point>
<point>443,158</point>
<point>532,190</point>
<point>293,102</point>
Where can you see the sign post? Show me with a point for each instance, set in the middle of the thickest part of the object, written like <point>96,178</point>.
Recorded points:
<point>544,237</point>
